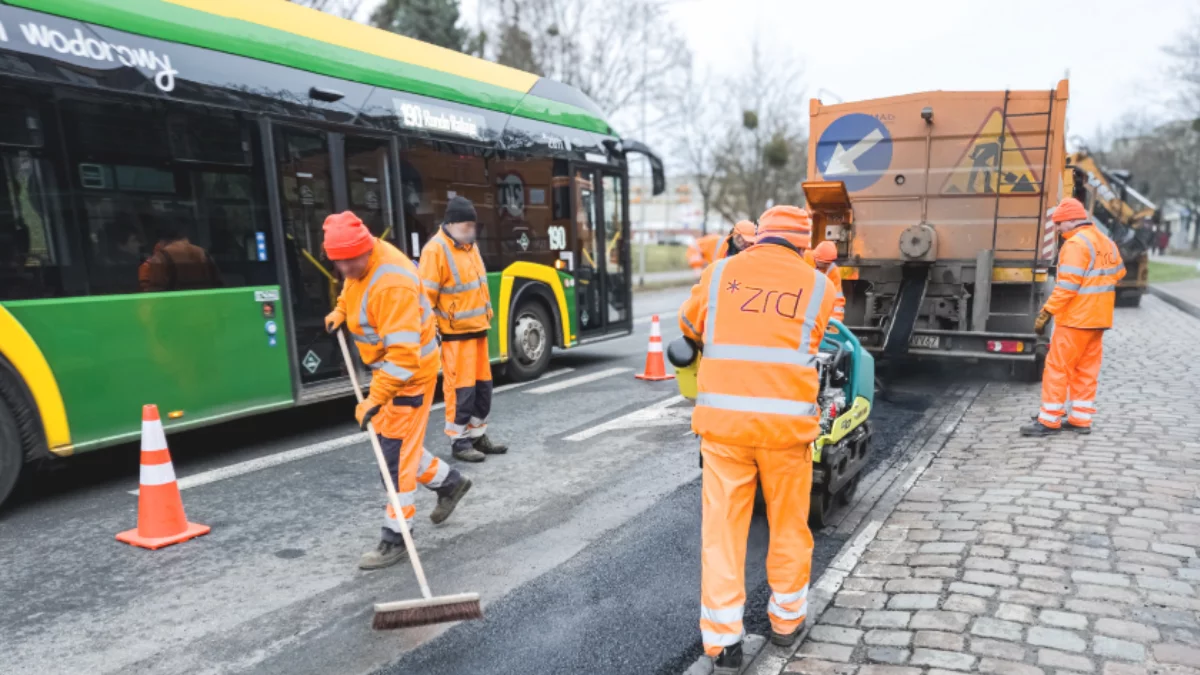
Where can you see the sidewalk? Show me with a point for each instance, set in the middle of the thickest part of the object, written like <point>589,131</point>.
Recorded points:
<point>1017,556</point>
<point>1184,295</point>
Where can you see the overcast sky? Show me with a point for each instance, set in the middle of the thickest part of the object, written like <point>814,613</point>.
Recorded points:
<point>861,49</point>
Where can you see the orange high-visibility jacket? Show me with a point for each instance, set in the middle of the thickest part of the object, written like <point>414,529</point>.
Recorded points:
<point>703,251</point>
<point>839,303</point>
<point>391,322</point>
<point>760,316</point>
<point>1089,267</point>
<point>456,283</point>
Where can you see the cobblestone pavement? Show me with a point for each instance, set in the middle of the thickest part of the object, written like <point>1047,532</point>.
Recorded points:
<point>1020,556</point>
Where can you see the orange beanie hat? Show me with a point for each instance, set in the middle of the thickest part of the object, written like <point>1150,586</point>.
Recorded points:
<point>788,222</point>
<point>825,252</point>
<point>746,229</point>
<point>346,237</point>
<point>1069,209</point>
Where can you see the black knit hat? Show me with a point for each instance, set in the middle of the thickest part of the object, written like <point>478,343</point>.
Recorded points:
<point>459,210</point>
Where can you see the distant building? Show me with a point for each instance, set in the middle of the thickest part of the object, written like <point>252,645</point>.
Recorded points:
<point>676,215</point>
<point>1180,224</point>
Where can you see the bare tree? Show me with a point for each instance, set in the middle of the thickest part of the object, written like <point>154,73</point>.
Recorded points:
<point>347,9</point>
<point>1183,138</point>
<point>696,135</point>
<point>1185,68</point>
<point>762,157</point>
<point>613,51</point>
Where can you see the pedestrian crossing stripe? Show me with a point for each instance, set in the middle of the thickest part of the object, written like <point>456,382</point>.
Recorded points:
<point>976,170</point>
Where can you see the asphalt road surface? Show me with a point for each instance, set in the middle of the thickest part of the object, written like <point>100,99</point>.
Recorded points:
<point>583,541</point>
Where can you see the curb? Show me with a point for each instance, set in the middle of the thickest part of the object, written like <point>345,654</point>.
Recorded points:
<point>1175,301</point>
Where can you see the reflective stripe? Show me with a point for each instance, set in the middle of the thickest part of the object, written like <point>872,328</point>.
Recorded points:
<point>687,323</point>
<point>1083,404</point>
<point>471,313</point>
<point>401,337</point>
<point>780,355</point>
<point>463,287</point>
<point>720,639</point>
<point>1045,417</point>
<point>455,429</point>
<point>426,460</point>
<point>1068,285</point>
<point>1052,406</point>
<point>426,308</point>
<point>788,598</point>
<point>1071,269</point>
<point>157,474</point>
<point>810,314</point>
<point>755,404</point>
<point>429,348</point>
<point>729,615</point>
<point>368,330</point>
<point>784,614</point>
<point>441,313</point>
<point>431,285</point>
<point>449,258</point>
<point>1095,290</point>
<point>714,287</point>
<point>1075,414</point>
<point>1105,271</point>
<point>1091,251</point>
<point>391,369</point>
<point>372,339</point>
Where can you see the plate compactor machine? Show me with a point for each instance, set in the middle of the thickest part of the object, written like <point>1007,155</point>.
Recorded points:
<point>846,372</point>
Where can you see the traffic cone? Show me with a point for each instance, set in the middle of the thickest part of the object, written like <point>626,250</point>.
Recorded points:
<point>161,521</point>
<point>655,368</point>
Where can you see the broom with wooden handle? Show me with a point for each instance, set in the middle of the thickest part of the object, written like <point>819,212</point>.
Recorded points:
<point>428,609</point>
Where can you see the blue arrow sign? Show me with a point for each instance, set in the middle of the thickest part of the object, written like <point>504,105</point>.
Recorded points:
<point>856,149</point>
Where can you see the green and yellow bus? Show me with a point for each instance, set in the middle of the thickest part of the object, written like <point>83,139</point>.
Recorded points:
<point>165,168</point>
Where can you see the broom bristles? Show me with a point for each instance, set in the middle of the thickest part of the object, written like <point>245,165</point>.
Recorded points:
<point>424,612</point>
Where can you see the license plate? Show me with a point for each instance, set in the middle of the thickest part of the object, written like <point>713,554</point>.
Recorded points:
<point>926,341</point>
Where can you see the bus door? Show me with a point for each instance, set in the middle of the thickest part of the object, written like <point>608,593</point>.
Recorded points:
<point>602,241</point>
<point>320,173</point>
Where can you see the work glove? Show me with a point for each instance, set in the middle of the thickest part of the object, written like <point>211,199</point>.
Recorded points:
<point>365,411</point>
<point>334,321</point>
<point>1039,324</point>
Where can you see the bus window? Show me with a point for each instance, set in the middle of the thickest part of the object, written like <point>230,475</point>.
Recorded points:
<point>432,173</point>
<point>172,199</point>
<point>527,229</point>
<point>369,183</point>
<point>34,254</point>
<point>616,245</point>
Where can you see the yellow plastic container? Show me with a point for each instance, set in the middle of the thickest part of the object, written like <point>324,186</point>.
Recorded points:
<point>686,377</point>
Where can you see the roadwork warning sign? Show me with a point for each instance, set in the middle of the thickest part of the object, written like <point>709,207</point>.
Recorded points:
<point>993,161</point>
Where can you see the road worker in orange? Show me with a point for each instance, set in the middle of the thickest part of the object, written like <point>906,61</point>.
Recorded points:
<point>456,285</point>
<point>825,256</point>
<point>384,309</point>
<point>1089,267</point>
<point>702,252</point>
<point>740,238</point>
<point>759,318</point>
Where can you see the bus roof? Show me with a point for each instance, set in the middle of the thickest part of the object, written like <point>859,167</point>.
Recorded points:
<point>287,34</point>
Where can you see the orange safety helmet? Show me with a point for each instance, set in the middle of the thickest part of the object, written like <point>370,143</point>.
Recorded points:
<point>1069,209</point>
<point>825,252</point>
<point>791,223</point>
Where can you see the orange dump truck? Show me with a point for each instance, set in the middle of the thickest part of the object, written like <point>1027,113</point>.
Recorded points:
<point>938,204</point>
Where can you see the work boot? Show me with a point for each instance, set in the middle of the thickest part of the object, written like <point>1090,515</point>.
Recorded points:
<point>1038,429</point>
<point>786,639</point>
<point>729,661</point>
<point>385,554</point>
<point>1078,429</point>
<point>455,487</point>
<point>465,452</point>
<point>485,445</point>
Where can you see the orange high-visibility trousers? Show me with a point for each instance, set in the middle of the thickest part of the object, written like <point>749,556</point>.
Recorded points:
<point>1072,369</point>
<point>731,473</point>
<point>466,388</point>
<point>402,439</point>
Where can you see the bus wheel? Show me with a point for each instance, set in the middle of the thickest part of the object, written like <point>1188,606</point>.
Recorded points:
<point>530,344</point>
<point>10,451</point>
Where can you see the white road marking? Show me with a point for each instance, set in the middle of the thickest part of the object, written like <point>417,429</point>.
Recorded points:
<point>582,379</point>
<point>276,459</point>
<point>659,414</point>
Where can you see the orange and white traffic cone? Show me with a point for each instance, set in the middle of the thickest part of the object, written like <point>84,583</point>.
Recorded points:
<point>656,369</point>
<point>161,521</point>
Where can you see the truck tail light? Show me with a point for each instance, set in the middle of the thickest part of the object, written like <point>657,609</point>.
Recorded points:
<point>1006,346</point>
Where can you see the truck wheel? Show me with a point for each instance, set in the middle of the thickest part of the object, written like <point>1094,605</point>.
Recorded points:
<point>530,342</point>
<point>11,458</point>
<point>1129,299</point>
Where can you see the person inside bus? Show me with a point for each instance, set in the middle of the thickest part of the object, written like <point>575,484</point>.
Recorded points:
<point>176,264</point>
<point>126,245</point>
